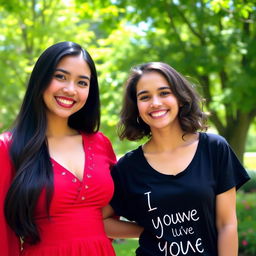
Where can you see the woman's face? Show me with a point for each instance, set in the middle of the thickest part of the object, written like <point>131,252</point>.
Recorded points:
<point>69,87</point>
<point>157,105</point>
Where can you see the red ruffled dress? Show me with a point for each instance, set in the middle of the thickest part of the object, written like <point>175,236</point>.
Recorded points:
<point>75,227</point>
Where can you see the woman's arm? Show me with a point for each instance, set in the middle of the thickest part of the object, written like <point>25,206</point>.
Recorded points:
<point>116,228</point>
<point>226,222</point>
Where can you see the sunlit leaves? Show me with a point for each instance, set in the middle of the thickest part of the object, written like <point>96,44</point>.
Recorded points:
<point>211,41</point>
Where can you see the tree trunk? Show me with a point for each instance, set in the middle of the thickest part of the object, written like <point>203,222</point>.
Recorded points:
<point>236,134</point>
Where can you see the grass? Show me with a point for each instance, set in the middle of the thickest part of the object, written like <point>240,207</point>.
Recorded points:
<point>125,247</point>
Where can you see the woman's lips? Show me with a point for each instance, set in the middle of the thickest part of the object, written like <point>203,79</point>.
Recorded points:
<point>65,102</point>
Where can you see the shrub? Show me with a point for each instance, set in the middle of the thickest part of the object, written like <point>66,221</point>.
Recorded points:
<point>250,186</point>
<point>246,214</point>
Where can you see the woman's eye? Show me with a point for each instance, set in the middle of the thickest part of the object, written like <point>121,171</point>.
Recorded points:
<point>164,93</point>
<point>59,76</point>
<point>83,83</point>
<point>143,98</point>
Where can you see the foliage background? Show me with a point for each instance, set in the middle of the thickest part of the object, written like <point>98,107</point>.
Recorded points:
<point>212,42</point>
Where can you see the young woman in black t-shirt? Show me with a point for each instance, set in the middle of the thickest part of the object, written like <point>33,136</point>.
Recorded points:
<point>180,186</point>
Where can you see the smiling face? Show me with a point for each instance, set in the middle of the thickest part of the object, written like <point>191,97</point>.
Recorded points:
<point>69,87</point>
<point>157,105</point>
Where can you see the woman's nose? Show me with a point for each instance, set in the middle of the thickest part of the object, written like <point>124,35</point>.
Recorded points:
<point>155,102</point>
<point>70,88</point>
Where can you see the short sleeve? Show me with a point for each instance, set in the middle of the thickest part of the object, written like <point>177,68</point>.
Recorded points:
<point>9,242</point>
<point>110,151</point>
<point>120,201</point>
<point>231,172</point>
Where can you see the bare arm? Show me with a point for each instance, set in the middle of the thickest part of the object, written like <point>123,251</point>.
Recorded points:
<point>117,228</point>
<point>226,222</point>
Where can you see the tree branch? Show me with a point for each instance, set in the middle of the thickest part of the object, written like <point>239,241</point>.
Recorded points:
<point>171,19</point>
<point>213,114</point>
<point>197,34</point>
<point>216,120</point>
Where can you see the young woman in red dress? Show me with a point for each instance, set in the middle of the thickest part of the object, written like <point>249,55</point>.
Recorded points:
<point>55,164</point>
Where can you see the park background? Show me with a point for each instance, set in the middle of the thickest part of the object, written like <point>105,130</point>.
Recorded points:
<point>211,42</point>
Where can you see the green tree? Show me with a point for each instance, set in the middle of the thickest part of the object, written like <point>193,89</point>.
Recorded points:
<point>211,41</point>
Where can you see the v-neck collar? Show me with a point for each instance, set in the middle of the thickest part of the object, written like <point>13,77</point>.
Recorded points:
<point>85,161</point>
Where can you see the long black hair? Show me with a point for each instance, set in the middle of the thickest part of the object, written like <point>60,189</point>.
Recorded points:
<point>28,150</point>
<point>191,117</point>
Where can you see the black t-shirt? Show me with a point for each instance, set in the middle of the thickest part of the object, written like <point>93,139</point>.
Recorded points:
<point>177,211</point>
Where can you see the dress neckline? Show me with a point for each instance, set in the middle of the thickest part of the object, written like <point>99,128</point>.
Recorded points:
<point>85,161</point>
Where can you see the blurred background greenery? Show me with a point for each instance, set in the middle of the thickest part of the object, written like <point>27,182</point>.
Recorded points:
<point>212,42</point>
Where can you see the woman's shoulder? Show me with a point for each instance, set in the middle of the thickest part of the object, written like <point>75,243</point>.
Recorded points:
<point>213,138</point>
<point>131,156</point>
<point>5,139</point>
<point>99,141</point>
<point>96,137</point>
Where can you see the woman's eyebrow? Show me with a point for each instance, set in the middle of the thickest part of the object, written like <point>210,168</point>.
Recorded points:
<point>159,89</point>
<point>68,73</point>
<point>141,92</point>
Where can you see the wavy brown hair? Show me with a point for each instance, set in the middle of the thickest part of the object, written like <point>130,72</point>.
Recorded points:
<point>191,117</point>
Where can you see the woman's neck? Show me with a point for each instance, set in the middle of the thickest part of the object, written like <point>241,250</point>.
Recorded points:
<point>59,128</point>
<point>168,140</point>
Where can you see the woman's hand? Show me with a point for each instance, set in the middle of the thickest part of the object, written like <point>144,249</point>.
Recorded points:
<point>116,228</point>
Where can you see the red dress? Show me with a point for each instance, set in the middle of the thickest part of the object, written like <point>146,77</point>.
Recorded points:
<point>75,227</point>
<point>9,242</point>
